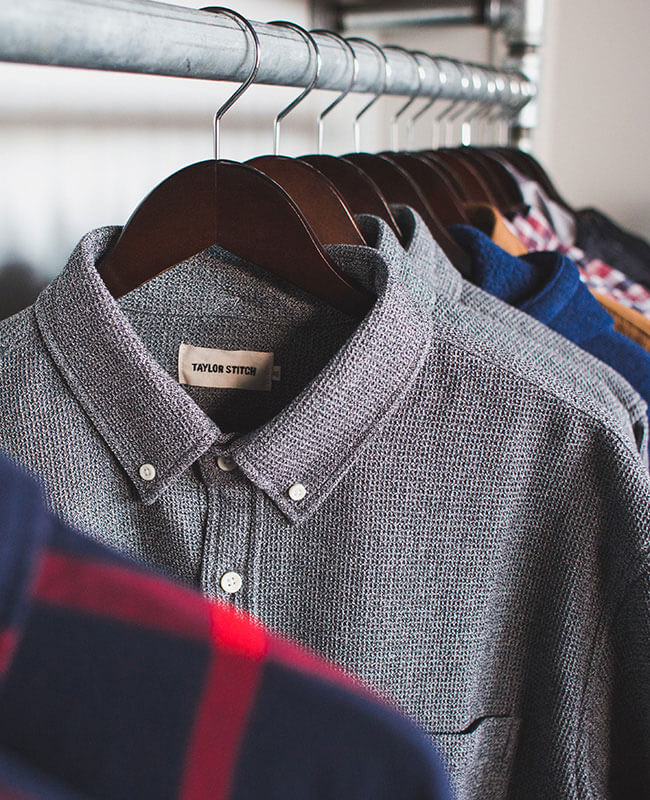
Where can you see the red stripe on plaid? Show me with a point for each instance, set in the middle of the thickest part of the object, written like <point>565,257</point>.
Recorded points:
<point>236,632</point>
<point>285,652</point>
<point>228,697</point>
<point>123,594</point>
<point>8,642</point>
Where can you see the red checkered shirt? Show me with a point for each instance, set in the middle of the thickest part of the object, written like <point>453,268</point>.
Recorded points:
<point>536,234</point>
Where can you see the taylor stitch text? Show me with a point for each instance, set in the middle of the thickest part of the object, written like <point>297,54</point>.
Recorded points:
<point>228,369</point>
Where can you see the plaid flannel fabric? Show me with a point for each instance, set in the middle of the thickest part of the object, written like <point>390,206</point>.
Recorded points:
<point>536,234</point>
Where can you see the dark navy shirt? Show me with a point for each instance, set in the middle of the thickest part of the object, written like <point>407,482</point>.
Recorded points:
<point>547,286</point>
<point>601,238</point>
<point>116,683</point>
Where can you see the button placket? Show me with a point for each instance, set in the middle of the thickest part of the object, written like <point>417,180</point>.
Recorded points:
<point>228,527</point>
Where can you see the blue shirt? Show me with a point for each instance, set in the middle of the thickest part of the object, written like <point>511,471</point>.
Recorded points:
<point>548,287</point>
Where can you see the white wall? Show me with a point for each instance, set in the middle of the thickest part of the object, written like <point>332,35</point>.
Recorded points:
<point>594,134</point>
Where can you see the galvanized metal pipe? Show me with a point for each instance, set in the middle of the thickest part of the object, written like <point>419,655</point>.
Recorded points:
<point>142,36</point>
<point>446,14</point>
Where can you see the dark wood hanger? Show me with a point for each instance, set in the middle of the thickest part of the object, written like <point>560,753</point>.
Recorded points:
<point>359,191</point>
<point>438,192</point>
<point>529,166</point>
<point>238,208</point>
<point>496,174</point>
<point>501,202</point>
<point>475,187</point>
<point>316,196</point>
<point>451,177</point>
<point>399,188</point>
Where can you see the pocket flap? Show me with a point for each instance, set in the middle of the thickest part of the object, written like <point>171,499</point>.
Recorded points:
<point>479,758</point>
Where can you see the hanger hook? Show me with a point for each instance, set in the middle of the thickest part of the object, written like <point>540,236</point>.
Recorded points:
<point>497,118</point>
<point>465,101</point>
<point>485,109</point>
<point>477,83</point>
<point>309,39</point>
<point>410,125</point>
<point>387,76</point>
<point>251,76</point>
<point>394,126</point>
<point>436,138</point>
<point>355,73</point>
<point>444,116</point>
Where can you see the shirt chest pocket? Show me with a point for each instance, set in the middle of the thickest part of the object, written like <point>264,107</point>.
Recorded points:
<point>480,757</point>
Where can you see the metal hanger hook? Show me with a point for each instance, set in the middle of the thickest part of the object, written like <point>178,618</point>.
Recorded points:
<point>501,114</point>
<point>464,101</point>
<point>394,126</point>
<point>387,76</point>
<point>442,79</point>
<point>309,39</point>
<point>228,12</point>
<point>484,110</point>
<point>479,82</point>
<point>443,116</point>
<point>355,73</point>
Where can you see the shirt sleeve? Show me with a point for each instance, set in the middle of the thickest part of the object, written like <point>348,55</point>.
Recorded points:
<point>616,707</point>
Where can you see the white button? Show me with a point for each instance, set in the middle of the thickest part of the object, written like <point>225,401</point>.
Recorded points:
<point>231,582</point>
<point>226,463</point>
<point>147,472</point>
<point>297,492</point>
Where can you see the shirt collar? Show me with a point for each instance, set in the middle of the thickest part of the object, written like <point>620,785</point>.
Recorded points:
<point>422,263</point>
<point>142,414</point>
<point>315,438</point>
<point>542,284</point>
<point>145,417</point>
<point>545,285</point>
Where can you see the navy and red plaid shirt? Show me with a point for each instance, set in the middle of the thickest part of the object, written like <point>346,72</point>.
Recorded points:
<point>116,683</point>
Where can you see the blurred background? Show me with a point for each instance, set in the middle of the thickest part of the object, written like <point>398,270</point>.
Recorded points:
<point>80,149</point>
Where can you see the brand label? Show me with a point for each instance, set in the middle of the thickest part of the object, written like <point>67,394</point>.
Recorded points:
<point>225,369</point>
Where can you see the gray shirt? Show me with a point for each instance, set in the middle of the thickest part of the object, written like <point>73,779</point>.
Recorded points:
<point>462,529</point>
<point>433,280</point>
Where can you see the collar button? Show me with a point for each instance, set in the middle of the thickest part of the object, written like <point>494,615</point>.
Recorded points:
<point>297,492</point>
<point>226,463</point>
<point>147,472</point>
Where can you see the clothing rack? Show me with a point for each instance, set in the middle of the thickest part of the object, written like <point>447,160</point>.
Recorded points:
<point>142,36</point>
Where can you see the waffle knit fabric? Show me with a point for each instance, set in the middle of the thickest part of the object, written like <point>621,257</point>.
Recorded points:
<point>472,534</point>
<point>434,281</point>
<point>547,286</point>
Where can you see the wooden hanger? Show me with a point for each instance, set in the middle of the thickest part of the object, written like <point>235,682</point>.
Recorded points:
<point>399,188</point>
<point>494,177</point>
<point>529,166</point>
<point>316,196</point>
<point>232,205</point>
<point>438,193</point>
<point>318,199</point>
<point>360,192</point>
<point>498,175</point>
<point>475,186</point>
<point>396,184</point>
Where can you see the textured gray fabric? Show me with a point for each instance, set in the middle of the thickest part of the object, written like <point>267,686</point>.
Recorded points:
<point>474,538</point>
<point>434,281</point>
